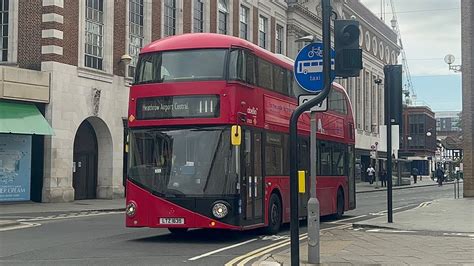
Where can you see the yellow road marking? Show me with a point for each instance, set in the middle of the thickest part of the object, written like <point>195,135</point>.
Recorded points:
<point>243,262</point>
<point>264,250</point>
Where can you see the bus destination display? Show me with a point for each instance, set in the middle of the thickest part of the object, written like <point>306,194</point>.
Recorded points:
<point>194,106</point>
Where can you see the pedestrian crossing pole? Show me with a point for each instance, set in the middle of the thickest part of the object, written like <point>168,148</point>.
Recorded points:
<point>393,110</point>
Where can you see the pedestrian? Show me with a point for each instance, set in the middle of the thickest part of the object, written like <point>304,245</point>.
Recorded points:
<point>439,175</point>
<point>414,172</point>
<point>383,178</point>
<point>371,174</point>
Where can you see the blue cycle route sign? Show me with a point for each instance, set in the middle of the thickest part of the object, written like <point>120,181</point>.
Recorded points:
<point>308,67</point>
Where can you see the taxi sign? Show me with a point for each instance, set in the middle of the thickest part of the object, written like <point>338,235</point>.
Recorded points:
<point>308,68</point>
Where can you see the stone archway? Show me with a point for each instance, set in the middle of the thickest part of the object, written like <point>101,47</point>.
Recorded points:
<point>84,176</point>
<point>102,182</point>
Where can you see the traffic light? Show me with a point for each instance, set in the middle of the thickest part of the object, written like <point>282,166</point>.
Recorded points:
<point>393,93</point>
<point>346,44</point>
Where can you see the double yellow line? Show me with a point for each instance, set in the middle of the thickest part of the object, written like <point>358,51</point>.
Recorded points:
<point>242,260</point>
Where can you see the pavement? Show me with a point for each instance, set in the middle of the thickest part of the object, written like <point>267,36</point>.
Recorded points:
<point>363,187</point>
<point>437,232</point>
<point>19,209</point>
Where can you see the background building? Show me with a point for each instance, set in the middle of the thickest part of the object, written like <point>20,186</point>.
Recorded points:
<point>448,124</point>
<point>73,55</point>
<point>379,45</point>
<point>467,46</point>
<point>418,142</point>
<point>71,60</point>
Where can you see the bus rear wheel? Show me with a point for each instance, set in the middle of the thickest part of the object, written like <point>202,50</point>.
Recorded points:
<point>339,205</point>
<point>274,215</point>
<point>178,231</point>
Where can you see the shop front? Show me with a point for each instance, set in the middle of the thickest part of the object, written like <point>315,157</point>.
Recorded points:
<point>22,127</point>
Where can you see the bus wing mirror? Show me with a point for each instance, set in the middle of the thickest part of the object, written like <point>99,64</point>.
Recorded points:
<point>236,135</point>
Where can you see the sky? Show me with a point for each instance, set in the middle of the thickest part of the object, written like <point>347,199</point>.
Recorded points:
<point>430,29</point>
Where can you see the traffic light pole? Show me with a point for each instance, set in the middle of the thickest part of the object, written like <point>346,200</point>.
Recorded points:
<point>388,123</point>
<point>294,221</point>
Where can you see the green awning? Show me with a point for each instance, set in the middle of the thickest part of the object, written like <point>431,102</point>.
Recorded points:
<point>22,118</point>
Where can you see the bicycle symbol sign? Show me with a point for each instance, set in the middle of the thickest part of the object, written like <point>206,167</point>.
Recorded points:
<point>308,67</point>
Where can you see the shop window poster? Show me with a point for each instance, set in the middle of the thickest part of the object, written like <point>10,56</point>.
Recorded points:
<point>15,167</point>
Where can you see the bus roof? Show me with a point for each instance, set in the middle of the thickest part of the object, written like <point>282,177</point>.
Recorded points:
<point>211,40</point>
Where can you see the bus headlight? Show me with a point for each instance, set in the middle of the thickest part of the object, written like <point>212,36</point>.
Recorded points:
<point>131,209</point>
<point>220,210</point>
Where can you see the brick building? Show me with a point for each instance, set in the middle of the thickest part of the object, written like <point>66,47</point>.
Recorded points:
<point>467,46</point>
<point>78,53</point>
<point>418,142</point>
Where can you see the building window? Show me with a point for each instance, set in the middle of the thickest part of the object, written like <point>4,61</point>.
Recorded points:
<point>374,104</point>
<point>358,108</point>
<point>367,108</point>
<point>262,31</point>
<point>94,46</point>
<point>135,32</point>
<point>223,14</point>
<point>198,16</point>
<point>244,22</point>
<point>170,17</point>
<point>279,39</point>
<point>4,30</point>
<point>380,92</point>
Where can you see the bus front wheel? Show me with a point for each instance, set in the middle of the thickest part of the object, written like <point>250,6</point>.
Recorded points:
<point>274,215</point>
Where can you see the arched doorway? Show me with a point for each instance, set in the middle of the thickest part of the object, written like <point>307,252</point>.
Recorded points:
<point>85,162</point>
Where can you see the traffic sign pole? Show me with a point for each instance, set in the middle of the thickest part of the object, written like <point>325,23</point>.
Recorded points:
<point>294,221</point>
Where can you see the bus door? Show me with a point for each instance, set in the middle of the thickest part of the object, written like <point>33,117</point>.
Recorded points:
<point>252,190</point>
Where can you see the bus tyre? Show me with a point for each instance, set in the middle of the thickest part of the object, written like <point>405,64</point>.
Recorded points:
<point>178,231</point>
<point>340,205</point>
<point>274,215</point>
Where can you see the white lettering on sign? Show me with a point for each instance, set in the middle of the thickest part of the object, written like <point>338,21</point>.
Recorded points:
<point>166,107</point>
<point>252,111</point>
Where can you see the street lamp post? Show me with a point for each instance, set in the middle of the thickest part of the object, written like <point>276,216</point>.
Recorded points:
<point>449,59</point>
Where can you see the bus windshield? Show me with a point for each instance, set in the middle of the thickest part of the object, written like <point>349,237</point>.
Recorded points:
<point>182,65</point>
<point>183,162</point>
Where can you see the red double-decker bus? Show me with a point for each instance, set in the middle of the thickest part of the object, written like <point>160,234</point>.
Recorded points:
<point>208,138</point>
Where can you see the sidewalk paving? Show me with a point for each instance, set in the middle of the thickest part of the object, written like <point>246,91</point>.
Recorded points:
<point>441,232</point>
<point>75,206</point>
<point>363,187</point>
<point>9,212</point>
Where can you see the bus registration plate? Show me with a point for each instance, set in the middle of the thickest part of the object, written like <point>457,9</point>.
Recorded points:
<point>171,220</point>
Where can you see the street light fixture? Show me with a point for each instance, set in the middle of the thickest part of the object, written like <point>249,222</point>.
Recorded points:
<point>308,38</point>
<point>449,59</point>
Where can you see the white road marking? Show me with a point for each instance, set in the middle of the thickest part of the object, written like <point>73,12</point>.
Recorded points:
<point>347,219</point>
<point>424,204</point>
<point>388,231</point>
<point>19,226</point>
<point>458,234</point>
<point>222,249</point>
<point>394,209</point>
<point>276,237</point>
<point>67,216</point>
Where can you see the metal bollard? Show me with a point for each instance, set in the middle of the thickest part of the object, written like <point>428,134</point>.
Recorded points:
<point>457,181</point>
<point>454,186</point>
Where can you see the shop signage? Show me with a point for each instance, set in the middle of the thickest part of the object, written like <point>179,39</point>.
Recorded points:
<point>15,167</point>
